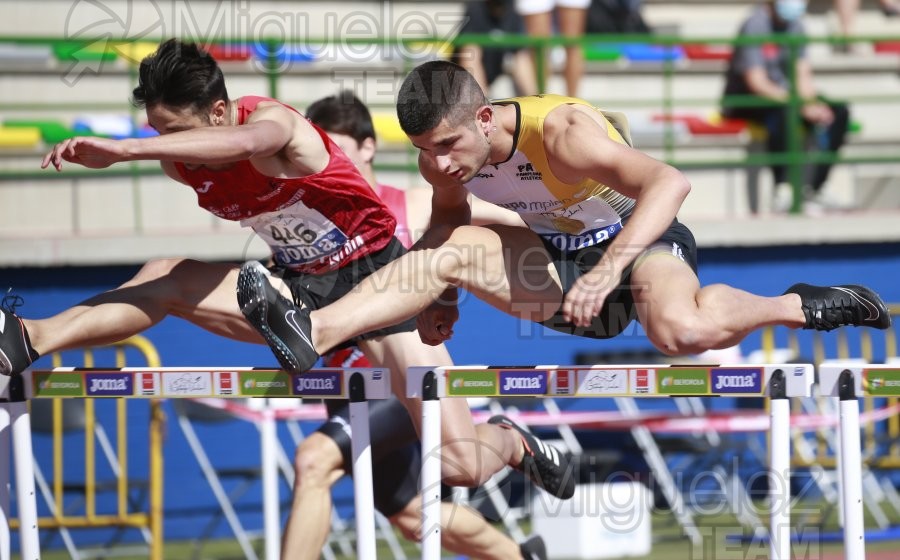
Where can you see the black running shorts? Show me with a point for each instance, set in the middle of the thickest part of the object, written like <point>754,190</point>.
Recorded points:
<point>396,451</point>
<point>619,310</point>
<point>318,290</point>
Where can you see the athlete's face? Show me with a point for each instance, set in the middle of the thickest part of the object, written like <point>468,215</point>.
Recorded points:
<point>456,151</point>
<point>168,120</point>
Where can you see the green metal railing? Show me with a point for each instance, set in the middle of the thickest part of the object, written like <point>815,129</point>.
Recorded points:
<point>795,157</point>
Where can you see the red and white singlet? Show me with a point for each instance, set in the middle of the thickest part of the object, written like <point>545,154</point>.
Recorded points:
<point>312,224</point>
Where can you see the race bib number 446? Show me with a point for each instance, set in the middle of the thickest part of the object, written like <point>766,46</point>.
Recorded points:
<point>298,235</point>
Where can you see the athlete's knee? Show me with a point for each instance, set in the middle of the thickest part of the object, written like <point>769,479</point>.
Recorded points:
<point>459,253</point>
<point>317,461</point>
<point>154,270</point>
<point>677,333</point>
<point>156,280</point>
<point>168,281</point>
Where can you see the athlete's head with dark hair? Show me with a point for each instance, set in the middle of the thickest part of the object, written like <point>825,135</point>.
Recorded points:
<point>435,91</point>
<point>348,123</point>
<point>343,113</point>
<point>447,116</point>
<point>182,87</point>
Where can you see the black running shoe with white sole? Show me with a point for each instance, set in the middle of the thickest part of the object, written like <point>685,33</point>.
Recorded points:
<point>542,463</point>
<point>829,307</point>
<point>16,352</point>
<point>533,549</point>
<point>285,327</point>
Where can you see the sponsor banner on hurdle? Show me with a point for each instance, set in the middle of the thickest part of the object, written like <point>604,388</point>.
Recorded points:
<point>868,380</point>
<point>325,383</point>
<point>612,381</point>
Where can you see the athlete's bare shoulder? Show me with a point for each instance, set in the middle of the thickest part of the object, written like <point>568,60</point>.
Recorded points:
<point>577,143</point>
<point>305,149</point>
<point>560,120</point>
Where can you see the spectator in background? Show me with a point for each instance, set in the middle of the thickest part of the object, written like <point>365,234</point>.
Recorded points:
<point>571,19</point>
<point>847,10</point>
<point>762,70</point>
<point>616,16</point>
<point>495,17</point>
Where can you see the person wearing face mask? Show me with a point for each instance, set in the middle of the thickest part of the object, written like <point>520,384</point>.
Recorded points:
<point>763,70</point>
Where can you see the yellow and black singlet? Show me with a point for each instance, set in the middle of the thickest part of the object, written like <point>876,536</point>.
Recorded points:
<point>569,216</point>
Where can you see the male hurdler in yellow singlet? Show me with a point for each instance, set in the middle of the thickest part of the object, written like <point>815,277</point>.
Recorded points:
<point>575,220</point>
<point>603,245</point>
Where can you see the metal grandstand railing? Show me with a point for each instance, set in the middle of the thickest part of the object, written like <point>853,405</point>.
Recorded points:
<point>670,69</point>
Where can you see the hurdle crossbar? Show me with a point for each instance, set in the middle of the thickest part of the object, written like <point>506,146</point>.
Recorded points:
<point>356,384</point>
<point>777,381</point>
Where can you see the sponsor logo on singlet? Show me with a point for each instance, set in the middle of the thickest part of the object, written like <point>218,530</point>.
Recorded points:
<point>568,242</point>
<point>526,172</point>
<point>299,236</point>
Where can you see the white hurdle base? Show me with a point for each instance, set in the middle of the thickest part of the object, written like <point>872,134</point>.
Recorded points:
<point>778,381</point>
<point>357,384</point>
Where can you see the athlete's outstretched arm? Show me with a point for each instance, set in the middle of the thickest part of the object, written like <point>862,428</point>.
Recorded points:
<point>419,204</point>
<point>579,147</point>
<point>263,136</point>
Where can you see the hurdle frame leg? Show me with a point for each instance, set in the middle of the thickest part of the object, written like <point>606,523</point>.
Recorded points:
<point>779,469</point>
<point>5,502</point>
<point>363,488</point>
<point>24,466</point>
<point>431,468</point>
<point>268,464</point>
<point>851,469</point>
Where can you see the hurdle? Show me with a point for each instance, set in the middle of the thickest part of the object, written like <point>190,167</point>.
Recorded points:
<point>356,384</point>
<point>778,382</point>
<point>847,382</point>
